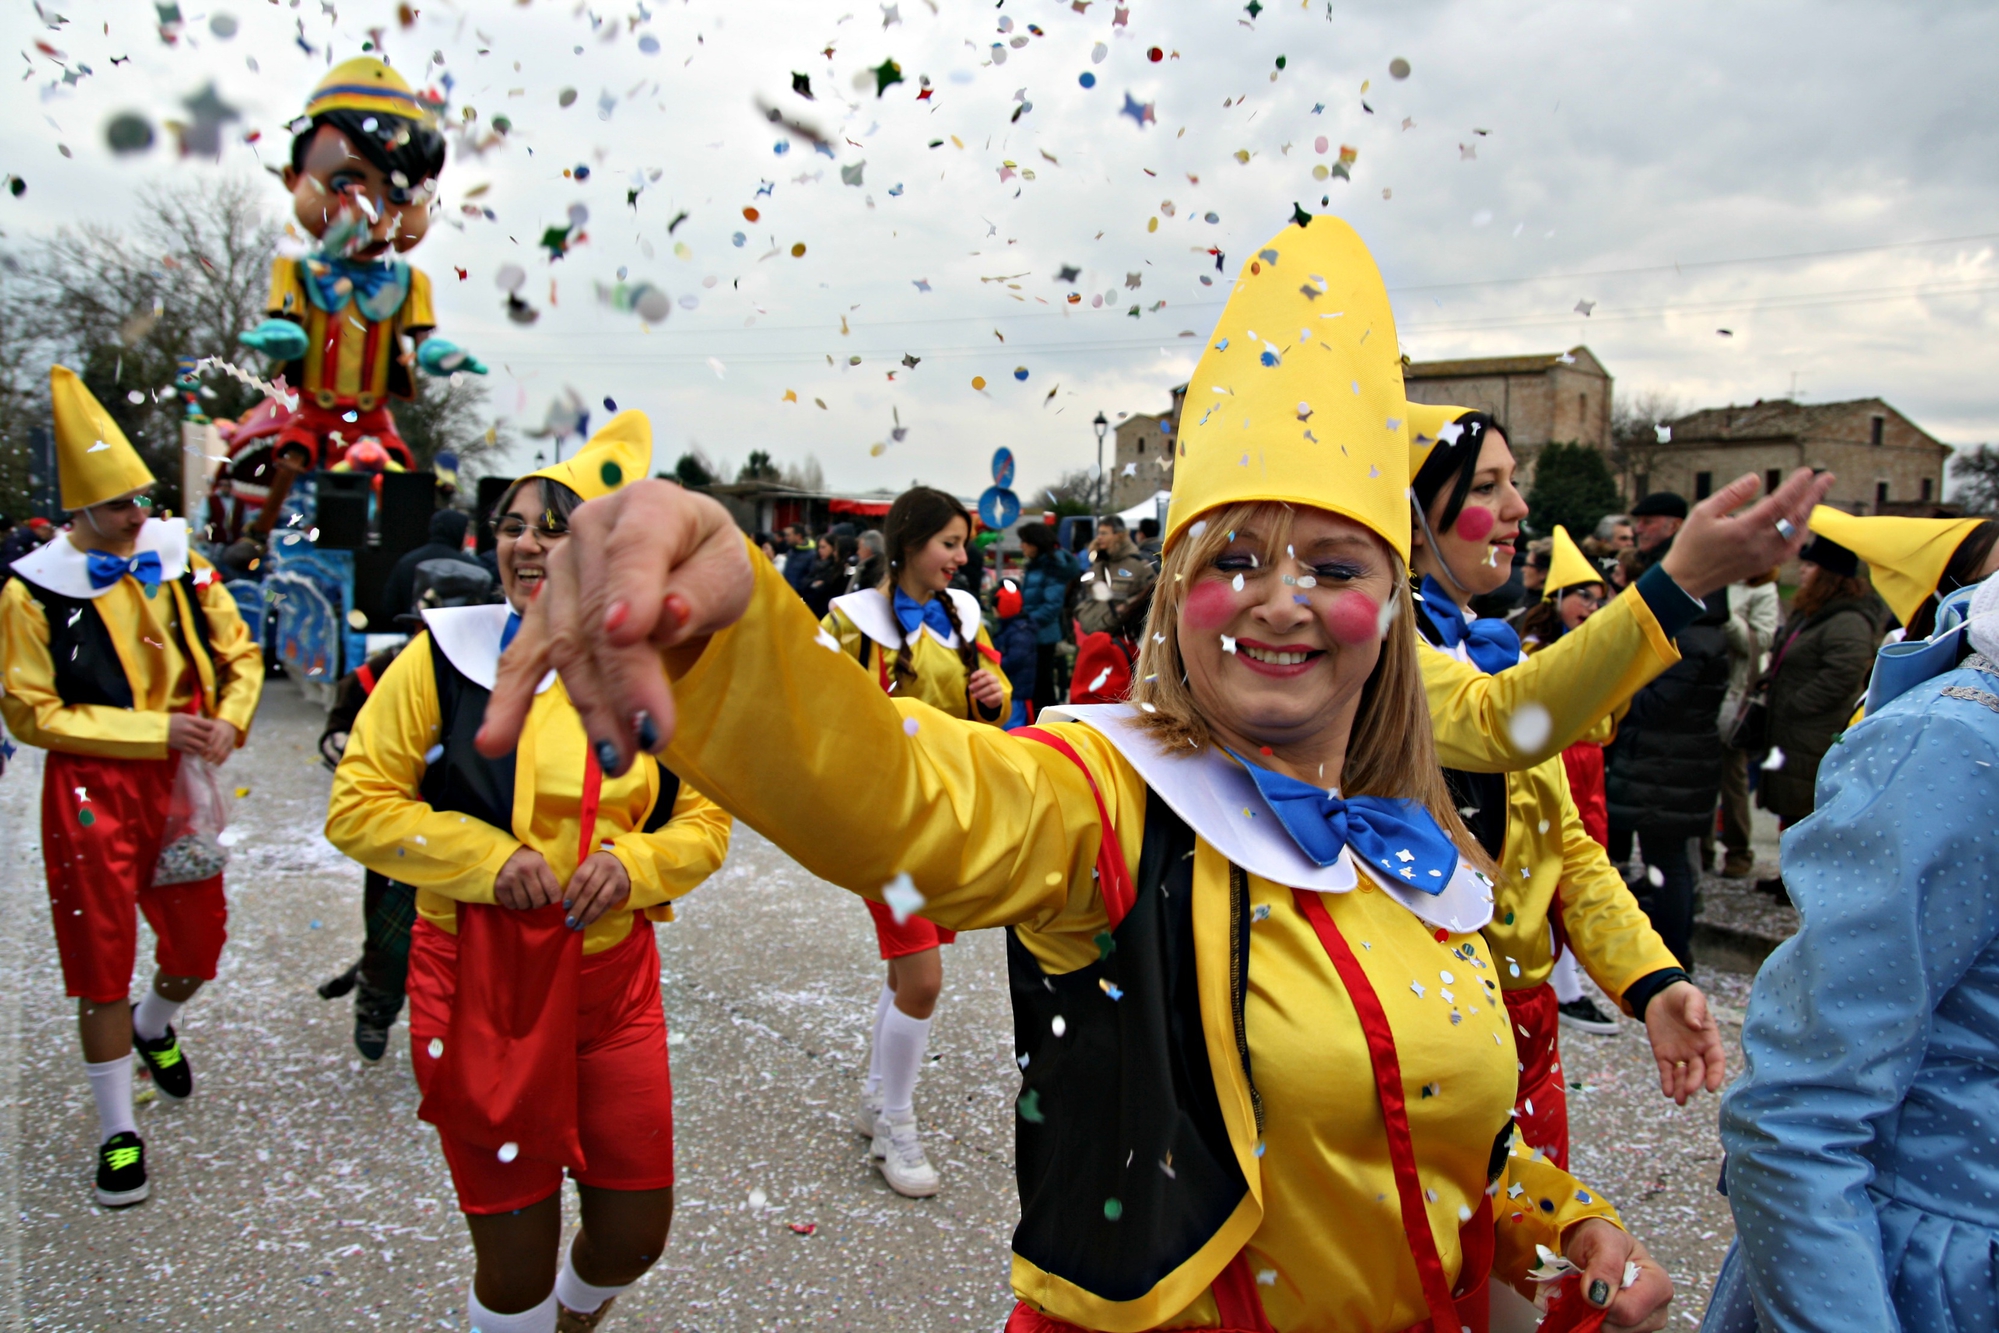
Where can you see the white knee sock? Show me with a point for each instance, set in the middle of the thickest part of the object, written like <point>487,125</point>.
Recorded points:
<point>578,1295</point>
<point>901,1045</point>
<point>111,1087</point>
<point>541,1319</point>
<point>1568,985</point>
<point>153,1015</point>
<point>882,1006</point>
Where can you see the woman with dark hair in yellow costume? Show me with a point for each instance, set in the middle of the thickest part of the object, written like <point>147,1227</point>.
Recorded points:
<point>1268,1073</point>
<point>535,1020</point>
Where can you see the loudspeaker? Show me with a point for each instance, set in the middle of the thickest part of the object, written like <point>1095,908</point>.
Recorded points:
<point>341,509</point>
<point>408,501</point>
<point>490,491</point>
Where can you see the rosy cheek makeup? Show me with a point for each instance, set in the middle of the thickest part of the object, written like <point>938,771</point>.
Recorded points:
<point>1474,523</point>
<point>1211,605</point>
<point>1353,618</point>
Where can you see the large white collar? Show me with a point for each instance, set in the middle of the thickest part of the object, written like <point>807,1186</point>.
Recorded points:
<point>469,638</point>
<point>1220,802</point>
<point>874,615</point>
<point>62,569</point>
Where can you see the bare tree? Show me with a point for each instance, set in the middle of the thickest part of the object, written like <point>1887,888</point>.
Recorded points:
<point>1634,437</point>
<point>1975,477</point>
<point>806,476</point>
<point>451,414</point>
<point>1073,493</point>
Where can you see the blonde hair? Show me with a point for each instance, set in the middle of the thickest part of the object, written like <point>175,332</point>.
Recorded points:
<point>1391,751</point>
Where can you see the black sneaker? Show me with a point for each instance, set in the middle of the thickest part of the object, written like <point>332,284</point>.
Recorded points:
<point>121,1171</point>
<point>167,1064</point>
<point>370,1038</point>
<point>1583,1015</point>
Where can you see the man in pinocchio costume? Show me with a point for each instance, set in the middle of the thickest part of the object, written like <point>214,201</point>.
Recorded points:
<point>363,177</point>
<point>123,657</point>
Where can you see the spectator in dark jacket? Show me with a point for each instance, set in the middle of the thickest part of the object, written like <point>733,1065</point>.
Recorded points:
<point>1818,672</point>
<point>447,542</point>
<point>799,552</point>
<point>1017,647</point>
<point>829,574</point>
<point>870,567</point>
<point>1044,586</point>
<point>1663,774</point>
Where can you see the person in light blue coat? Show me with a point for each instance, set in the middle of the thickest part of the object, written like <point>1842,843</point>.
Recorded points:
<point>1863,1138</point>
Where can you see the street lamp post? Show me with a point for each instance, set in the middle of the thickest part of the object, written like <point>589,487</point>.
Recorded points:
<point>1101,426</point>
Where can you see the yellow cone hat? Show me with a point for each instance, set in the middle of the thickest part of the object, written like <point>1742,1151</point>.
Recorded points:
<point>1905,556</point>
<point>1428,424</point>
<point>94,460</point>
<point>1567,565</point>
<point>1298,396</point>
<point>620,452</point>
<point>367,84</point>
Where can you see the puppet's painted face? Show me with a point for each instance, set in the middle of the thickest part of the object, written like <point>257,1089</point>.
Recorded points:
<point>342,199</point>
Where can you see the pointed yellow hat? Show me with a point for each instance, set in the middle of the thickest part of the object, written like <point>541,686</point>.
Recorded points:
<point>1905,556</point>
<point>94,460</point>
<point>1567,565</point>
<point>1429,423</point>
<point>367,84</point>
<point>620,452</point>
<point>1298,397</point>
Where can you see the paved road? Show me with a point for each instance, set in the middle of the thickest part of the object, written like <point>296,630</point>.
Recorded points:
<point>298,1190</point>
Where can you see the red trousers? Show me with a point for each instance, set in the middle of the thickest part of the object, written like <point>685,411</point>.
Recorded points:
<point>914,935</point>
<point>102,822</point>
<point>1543,1103</point>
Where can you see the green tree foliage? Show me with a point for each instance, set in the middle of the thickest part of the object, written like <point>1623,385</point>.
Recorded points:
<point>1572,487</point>
<point>693,471</point>
<point>759,468</point>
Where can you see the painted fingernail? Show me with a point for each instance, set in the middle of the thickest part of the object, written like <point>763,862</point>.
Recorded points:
<point>571,923</point>
<point>646,730</point>
<point>616,614</point>
<point>565,904</point>
<point>1599,1292</point>
<point>676,606</point>
<point>607,756</point>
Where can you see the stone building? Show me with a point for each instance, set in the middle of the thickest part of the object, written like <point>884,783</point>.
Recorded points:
<point>1559,397</point>
<point>1886,463</point>
<point>1142,463</point>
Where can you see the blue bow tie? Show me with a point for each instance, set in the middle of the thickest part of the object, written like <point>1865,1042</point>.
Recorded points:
<point>1491,643</point>
<point>106,569</point>
<point>513,628</point>
<point>911,615</point>
<point>364,281</point>
<point>1395,836</point>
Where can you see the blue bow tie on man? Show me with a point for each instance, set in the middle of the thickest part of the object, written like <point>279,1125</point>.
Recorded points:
<point>912,615</point>
<point>1491,643</point>
<point>1398,838</point>
<point>106,569</point>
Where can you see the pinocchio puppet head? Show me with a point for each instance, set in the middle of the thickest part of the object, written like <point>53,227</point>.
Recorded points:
<point>365,162</point>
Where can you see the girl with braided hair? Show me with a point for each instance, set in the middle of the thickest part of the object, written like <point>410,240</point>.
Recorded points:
<point>921,639</point>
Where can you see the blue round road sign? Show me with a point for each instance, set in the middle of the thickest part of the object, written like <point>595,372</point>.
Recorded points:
<point>1003,467</point>
<point>999,507</point>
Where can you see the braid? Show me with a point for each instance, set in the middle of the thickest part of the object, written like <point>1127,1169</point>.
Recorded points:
<point>904,667</point>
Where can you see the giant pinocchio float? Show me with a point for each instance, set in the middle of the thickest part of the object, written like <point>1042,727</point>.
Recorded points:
<point>363,176</point>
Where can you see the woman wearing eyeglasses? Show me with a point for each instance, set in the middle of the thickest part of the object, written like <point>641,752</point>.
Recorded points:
<point>535,1020</point>
<point>1556,887</point>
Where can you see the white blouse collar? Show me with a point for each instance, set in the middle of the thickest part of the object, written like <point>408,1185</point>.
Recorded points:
<point>64,570</point>
<point>469,638</point>
<point>873,615</point>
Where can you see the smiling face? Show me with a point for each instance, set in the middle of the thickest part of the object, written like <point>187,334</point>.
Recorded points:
<point>1579,603</point>
<point>928,569</point>
<point>1280,629</point>
<point>1476,549</point>
<point>344,200</point>
<point>524,533</point>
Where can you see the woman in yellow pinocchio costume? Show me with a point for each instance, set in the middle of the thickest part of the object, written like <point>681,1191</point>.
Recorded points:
<point>922,639</point>
<point>535,1020</point>
<point>1268,1072</point>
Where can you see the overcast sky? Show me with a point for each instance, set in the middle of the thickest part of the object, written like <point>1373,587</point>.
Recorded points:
<point>1820,180</point>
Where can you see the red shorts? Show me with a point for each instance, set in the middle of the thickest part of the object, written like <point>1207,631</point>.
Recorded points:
<point>912,936</point>
<point>314,427</point>
<point>99,850</point>
<point>1537,1023</point>
<point>624,1094</point>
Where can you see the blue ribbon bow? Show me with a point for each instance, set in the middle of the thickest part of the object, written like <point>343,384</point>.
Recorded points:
<point>911,614</point>
<point>1395,836</point>
<point>1492,644</point>
<point>365,282</point>
<point>106,569</point>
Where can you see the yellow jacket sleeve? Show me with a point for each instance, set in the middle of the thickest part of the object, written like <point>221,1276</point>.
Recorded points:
<point>239,661</point>
<point>989,659</point>
<point>287,296</point>
<point>375,815</point>
<point>1576,680</point>
<point>37,715</point>
<point>992,830</point>
<point>1535,1203</point>
<point>1612,937</point>
<point>417,315</point>
<point>674,859</point>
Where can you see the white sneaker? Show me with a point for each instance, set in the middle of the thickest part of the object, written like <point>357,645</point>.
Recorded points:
<point>902,1163</point>
<point>870,1110</point>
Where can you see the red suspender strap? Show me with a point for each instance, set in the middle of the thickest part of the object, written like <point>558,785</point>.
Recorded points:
<point>881,665</point>
<point>1394,1111</point>
<point>987,651</point>
<point>366,677</point>
<point>1113,877</point>
<point>373,364</point>
<point>1237,1306</point>
<point>593,786</point>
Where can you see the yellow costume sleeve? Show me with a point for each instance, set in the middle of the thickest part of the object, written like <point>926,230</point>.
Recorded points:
<point>239,661</point>
<point>853,643</point>
<point>675,858</point>
<point>1585,674</point>
<point>287,296</point>
<point>417,313</point>
<point>992,663</point>
<point>374,814</point>
<point>36,713</point>
<point>1535,1203</point>
<point>1611,935</point>
<point>992,830</point>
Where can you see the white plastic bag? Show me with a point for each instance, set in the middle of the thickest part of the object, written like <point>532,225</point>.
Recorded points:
<point>198,810</point>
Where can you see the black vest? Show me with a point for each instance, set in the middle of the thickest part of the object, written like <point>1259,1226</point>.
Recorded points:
<point>1480,797</point>
<point>466,782</point>
<point>87,669</point>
